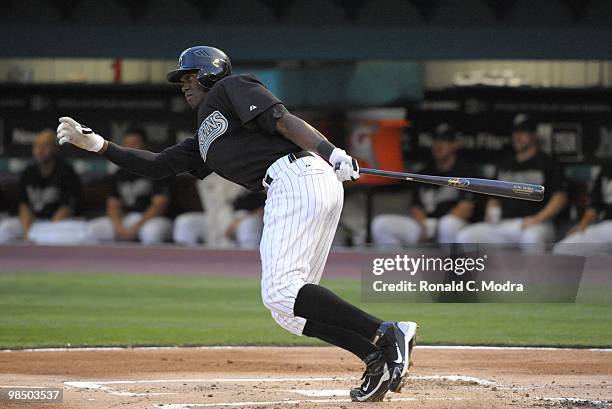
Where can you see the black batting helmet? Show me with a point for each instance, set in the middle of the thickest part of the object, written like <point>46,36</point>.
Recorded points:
<point>210,63</point>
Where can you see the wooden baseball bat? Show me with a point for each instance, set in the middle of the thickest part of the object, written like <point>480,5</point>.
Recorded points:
<point>514,190</point>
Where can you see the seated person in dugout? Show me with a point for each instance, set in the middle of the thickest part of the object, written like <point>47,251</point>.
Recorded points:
<point>49,191</point>
<point>593,234</point>
<point>209,227</point>
<point>437,212</point>
<point>136,207</point>
<point>247,226</point>
<point>509,221</point>
<point>241,221</point>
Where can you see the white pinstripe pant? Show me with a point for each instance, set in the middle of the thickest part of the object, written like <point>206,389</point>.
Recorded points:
<point>300,218</point>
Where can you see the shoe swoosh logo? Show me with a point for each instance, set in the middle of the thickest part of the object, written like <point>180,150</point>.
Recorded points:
<point>399,355</point>
<point>365,387</point>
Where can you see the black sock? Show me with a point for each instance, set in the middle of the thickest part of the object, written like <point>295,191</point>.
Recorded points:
<point>318,304</point>
<point>340,337</point>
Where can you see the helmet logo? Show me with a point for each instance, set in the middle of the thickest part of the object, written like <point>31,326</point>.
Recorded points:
<point>216,62</point>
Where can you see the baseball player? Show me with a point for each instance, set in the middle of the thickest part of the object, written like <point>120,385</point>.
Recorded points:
<point>49,191</point>
<point>246,135</point>
<point>136,207</point>
<point>247,226</point>
<point>216,195</point>
<point>230,218</point>
<point>594,232</point>
<point>438,211</point>
<point>509,221</point>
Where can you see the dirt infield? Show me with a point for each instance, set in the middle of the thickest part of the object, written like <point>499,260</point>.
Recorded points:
<point>315,377</point>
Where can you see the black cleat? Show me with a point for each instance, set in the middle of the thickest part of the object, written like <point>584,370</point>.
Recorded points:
<point>375,380</point>
<point>396,340</point>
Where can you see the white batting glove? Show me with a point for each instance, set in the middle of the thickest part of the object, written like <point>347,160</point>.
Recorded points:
<point>79,135</point>
<point>345,166</point>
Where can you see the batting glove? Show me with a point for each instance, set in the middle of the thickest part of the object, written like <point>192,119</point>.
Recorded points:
<point>71,131</point>
<point>345,167</point>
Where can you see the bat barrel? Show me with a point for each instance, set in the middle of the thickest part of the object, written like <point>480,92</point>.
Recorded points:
<point>514,190</point>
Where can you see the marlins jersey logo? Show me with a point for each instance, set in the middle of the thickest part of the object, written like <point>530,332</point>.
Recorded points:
<point>42,196</point>
<point>212,127</point>
<point>131,190</point>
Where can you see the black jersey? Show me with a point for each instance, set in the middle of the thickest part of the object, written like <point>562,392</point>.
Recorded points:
<point>135,192</point>
<point>540,170</point>
<point>229,141</point>
<point>602,192</point>
<point>437,201</point>
<point>44,195</point>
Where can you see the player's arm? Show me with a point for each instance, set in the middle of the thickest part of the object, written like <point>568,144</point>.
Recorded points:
<point>245,95</point>
<point>302,134</point>
<point>115,212</point>
<point>158,206</point>
<point>556,203</point>
<point>26,215</point>
<point>63,212</point>
<point>308,138</point>
<point>591,214</point>
<point>160,199</point>
<point>142,162</point>
<point>589,217</point>
<point>555,182</point>
<point>419,216</point>
<point>26,218</point>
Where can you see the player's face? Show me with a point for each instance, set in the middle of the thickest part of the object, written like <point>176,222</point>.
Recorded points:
<point>194,92</point>
<point>133,140</point>
<point>522,140</point>
<point>44,148</point>
<point>442,149</point>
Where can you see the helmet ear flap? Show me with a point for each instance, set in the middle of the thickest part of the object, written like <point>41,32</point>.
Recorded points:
<point>206,79</point>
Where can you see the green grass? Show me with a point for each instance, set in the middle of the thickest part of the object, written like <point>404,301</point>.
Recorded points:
<point>45,309</point>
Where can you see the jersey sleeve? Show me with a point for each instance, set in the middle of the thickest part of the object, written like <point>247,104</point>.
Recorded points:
<point>267,120</point>
<point>185,157</point>
<point>248,97</point>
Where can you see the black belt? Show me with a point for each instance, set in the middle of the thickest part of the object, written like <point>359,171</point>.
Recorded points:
<point>298,155</point>
<point>292,158</point>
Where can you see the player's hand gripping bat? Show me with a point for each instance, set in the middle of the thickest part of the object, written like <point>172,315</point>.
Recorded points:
<point>514,190</point>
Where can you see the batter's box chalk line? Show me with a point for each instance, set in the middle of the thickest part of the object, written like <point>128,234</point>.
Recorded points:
<point>591,403</point>
<point>100,386</point>
<point>284,402</point>
<point>561,401</point>
<point>105,386</point>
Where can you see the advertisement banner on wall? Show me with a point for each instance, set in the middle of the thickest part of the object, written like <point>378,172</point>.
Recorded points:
<point>575,126</point>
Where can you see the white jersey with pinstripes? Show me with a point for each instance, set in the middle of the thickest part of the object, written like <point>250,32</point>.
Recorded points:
<point>301,214</point>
